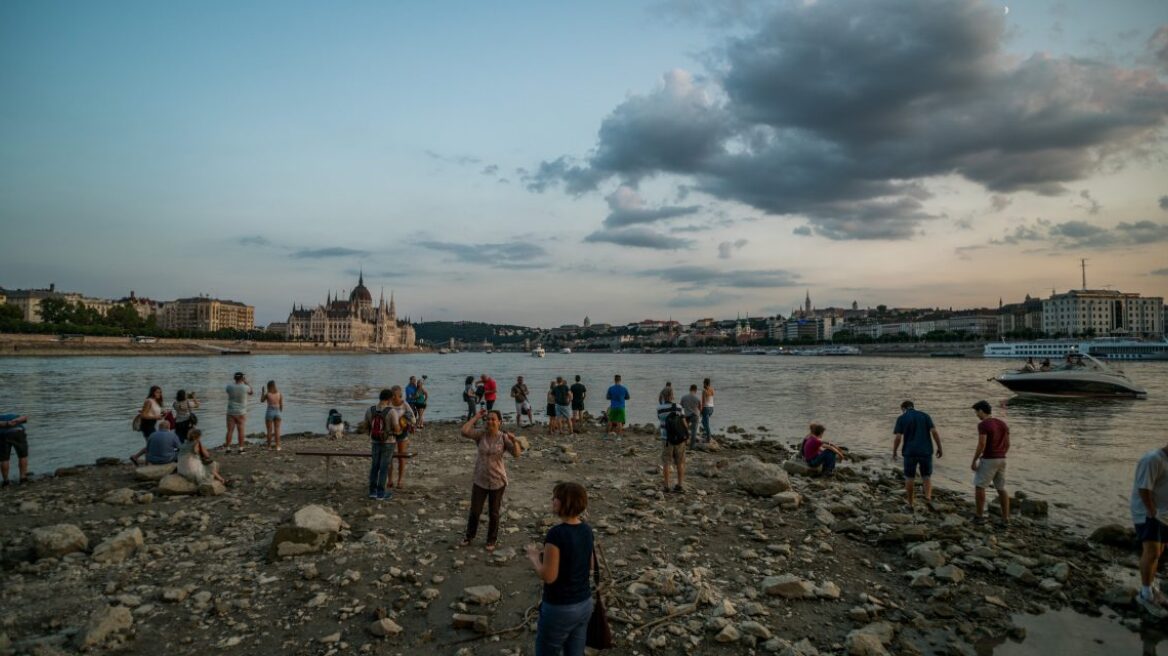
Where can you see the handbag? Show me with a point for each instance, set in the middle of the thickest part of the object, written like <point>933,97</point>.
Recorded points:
<point>599,634</point>
<point>193,421</point>
<point>136,424</point>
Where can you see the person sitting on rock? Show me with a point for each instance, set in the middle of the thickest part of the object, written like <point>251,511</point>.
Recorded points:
<point>12,436</point>
<point>819,453</point>
<point>194,460</point>
<point>163,445</point>
<point>334,425</point>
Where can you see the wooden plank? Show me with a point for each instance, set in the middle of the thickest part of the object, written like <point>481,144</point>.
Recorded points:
<point>350,454</point>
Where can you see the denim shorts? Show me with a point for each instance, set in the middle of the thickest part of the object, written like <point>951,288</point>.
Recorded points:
<point>912,463</point>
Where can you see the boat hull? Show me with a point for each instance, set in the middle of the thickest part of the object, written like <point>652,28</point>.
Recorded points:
<point>1087,385</point>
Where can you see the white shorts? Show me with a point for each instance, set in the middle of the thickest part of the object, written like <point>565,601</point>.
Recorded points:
<point>336,430</point>
<point>991,470</point>
<point>522,408</point>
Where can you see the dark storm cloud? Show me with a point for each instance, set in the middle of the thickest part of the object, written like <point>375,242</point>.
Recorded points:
<point>638,238</point>
<point>321,253</point>
<point>1160,272</point>
<point>699,277</point>
<point>726,249</point>
<point>1081,235</point>
<point>1164,202</point>
<point>836,111</point>
<point>802,231</point>
<point>628,208</point>
<point>504,255</point>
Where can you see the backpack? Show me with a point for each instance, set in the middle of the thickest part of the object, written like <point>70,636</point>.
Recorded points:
<point>378,424</point>
<point>675,430</point>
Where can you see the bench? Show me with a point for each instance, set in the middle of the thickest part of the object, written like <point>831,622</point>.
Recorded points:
<point>329,454</point>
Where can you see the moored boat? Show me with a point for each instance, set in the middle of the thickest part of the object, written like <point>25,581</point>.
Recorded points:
<point>538,352</point>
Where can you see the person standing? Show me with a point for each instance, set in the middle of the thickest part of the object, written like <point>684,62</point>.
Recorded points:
<point>388,421</point>
<point>411,389</point>
<point>691,405</point>
<point>273,416</point>
<point>563,398</point>
<point>149,415</point>
<point>617,396</point>
<point>13,437</point>
<point>1149,511</point>
<point>579,391</point>
<point>421,400</point>
<point>553,421</point>
<point>184,406</point>
<point>672,446</point>
<point>490,391</point>
<point>490,473</point>
<point>522,404</point>
<point>664,390</point>
<point>237,393</point>
<point>563,565</point>
<point>707,407</point>
<point>469,397</point>
<point>918,433</point>
<point>989,461</point>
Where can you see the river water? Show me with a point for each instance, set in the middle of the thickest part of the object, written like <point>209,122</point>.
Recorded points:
<point>1078,454</point>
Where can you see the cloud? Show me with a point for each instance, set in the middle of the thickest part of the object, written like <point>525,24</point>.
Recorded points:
<point>726,249</point>
<point>628,208</point>
<point>256,240</point>
<point>1160,272</point>
<point>1083,235</point>
<point>462,160</point>
<point>699,277</point>
<point>504,255</point>
<point>321,253</point>
<point>1164,202</point>
<point>1158,47</point>
<point>710,299</point>
<point>1092,205</point>
<point>802,231</point>
<point>839,111</point>
<point>639,238</point>
<point>999,202</point>
<point>490,169</point>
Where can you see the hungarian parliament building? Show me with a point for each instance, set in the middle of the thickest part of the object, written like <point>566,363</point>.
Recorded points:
<point>355,322</point>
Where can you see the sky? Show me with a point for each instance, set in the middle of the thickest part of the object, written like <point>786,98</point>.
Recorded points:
<point>535,163</point>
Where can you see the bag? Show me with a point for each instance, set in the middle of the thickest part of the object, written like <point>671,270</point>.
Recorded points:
<point>136,424</point>
<point>599,633</point>
<point>675,430</point>
<point>193,420</point>
<point>378,430</point>
<point>168,417</point>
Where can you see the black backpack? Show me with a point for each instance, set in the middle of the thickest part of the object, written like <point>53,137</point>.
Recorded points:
<point>675,429</point>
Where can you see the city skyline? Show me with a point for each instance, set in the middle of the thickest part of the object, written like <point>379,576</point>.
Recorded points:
<point>531,164</point>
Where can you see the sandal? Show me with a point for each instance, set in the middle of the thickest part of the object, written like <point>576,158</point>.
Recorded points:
<point>465,543</point>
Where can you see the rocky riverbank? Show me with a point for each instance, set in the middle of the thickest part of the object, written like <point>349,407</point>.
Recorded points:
<point>755,557</point>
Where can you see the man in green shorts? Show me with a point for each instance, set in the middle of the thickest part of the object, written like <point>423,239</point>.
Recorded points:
<point>617,395</point>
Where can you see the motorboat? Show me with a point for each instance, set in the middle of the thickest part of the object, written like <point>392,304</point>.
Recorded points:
<point>566,351</point>
<point>538,352</point>
<point>1080,376</point>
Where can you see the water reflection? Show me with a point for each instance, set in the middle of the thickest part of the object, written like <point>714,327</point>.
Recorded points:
<point>1068,632</point>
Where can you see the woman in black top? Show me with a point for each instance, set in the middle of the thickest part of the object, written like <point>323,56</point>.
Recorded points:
<point>563,564</point>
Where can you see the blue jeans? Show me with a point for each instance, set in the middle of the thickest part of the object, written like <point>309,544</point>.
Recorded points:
<point>693,429</point>
<point>562,629</point>
<point>706,412</point>
<point>379,466</point>
<point>825,458</point>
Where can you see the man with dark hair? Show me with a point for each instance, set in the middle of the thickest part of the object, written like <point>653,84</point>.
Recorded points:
<point>13,436</point>
<point>691,405</point>
<point>617,395</point>
<point>563,398</point>
<point>520,393</point>
<point>989,461</point>
<point>918,433</point>
<point>578,393</point>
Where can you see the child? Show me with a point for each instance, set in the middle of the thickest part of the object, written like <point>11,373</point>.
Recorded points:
<point>334,425</point>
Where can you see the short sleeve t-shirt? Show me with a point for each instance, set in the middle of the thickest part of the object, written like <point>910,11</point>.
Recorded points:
<point>617,395</point>
<point>812,445</point>
<point>162,447</point>
<point>692,404</point>
<point>578,392</point>
<point>1151,475</point>
<point>561,392</point>
<point>997,437</point>
<point>519,391</point>
<point>575,544</point>
<point>663,412</point>
<point>915,426</point>
<point>490,389</point>
<point>236,399</point>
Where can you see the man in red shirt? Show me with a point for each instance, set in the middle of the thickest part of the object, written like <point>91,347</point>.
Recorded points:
<point>490,391</point>
<point>989,461</point>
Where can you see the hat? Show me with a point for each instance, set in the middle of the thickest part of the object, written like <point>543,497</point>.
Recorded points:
<point>983,406</point>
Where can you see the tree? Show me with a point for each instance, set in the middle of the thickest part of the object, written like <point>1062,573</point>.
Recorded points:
<point>55,310</point>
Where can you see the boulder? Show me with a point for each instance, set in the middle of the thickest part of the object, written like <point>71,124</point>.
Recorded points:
<point>176,485</point>
<point>1034,508</point>
<point>728,634</point>
<point>318,519</point>
<point>102,624</point>
<point>120,497</point>
<point>870,639</point>
<point>797,468</point>
<point>385,628</point>
<point>759,478</point>
<point>480,623</point>
<point>117,548</point>
<point>788,500</point>
<point>1114,535</point>
<point>788,586</point>
<point>928,553</point>
<point>154,472</point>
<point>950,574</point>
<point>312,529</point>
<point>212,488</point>
<point>481,594</point>
<point>58,540</point>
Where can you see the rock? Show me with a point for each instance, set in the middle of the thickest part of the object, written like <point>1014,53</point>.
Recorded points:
<point>759,478</point>
<point>728,634</point>
<point>107,461</point>
<point>175,485</point>
<point>752,628</point>
<point>102,624</point>
<point>788,586</point>
<point>1049,585</point>
<point>788,500</point>
<point>154,472</point>
<point>318,519</point>
<point>117,548</point>
<point>1060,571</point>
<point>1114,535</point>
<point>928,553</point>
<point>119,497</point>
<point>949,574</point>
<point>523,442</point>
<point>863,644</point>
<point>480,623</point>
<point>312,529</point>
<point>481,594</point>
<point>724,609</point>
<point>58,540</point>
<point>212,488</point>
<point>824,516</point>
<point>1034,508</point>
<point>797,468</point>
<point>828,590</point>
<point>385,628</point>
<point>331,638</point>
<point>1020,572</point>
<point>174,595</point>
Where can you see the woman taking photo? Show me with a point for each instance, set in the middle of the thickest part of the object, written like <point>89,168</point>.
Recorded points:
<point>563,564</point>
<point>149,415</point>
<point>184,409</point>
<point>273,416</point>
<point>490,473</point>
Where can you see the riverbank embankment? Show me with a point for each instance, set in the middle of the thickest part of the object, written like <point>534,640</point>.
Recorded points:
<point>755,556</point>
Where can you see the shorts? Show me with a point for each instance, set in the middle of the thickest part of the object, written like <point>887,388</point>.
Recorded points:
<point>991,469</point>
<point>13,438</point>
<point>616,415</point>
<point>912,463</point>
<point>522,407</point>
<point>563,411</point>
<point>1152,530</point>
<point>578,405</point>
<point>272,414</point>
<point>673,454</point>
<point>336,430</point>
<point>403,437</point>
<point>551,410</point>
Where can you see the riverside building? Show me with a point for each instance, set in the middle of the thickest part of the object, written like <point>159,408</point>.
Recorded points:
<point>205,314</point>
<point>355,322</point>
<point>1103,312</point>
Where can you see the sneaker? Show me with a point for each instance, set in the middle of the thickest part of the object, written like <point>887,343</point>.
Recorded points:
<point>241,451</point>
<point>372,495</point>
<point>1151,607</point>
<point>386,496</point>
<point>1159,597</point>
<point>979,520</point>
<point>679,489</point>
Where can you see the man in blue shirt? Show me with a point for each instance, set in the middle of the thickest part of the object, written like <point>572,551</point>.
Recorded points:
<point>163,445</point>
<point>617,395</point>
<point>918,433</point>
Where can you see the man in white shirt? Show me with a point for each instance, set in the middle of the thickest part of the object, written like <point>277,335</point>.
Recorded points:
<point>1149,509</point>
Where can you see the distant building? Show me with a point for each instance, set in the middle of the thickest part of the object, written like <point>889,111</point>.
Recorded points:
<point>1103,312</point>
<point>145,307</point>
<point>981,323</point>
<point>29,301</point>
<point>1019,317</point>
<point>355,322</point>
<point>206,314</point>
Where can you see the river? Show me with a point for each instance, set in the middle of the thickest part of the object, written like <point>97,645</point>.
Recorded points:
<point>1078,454</point>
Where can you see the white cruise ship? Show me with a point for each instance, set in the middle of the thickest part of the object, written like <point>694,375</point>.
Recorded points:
<point>1109,348</point>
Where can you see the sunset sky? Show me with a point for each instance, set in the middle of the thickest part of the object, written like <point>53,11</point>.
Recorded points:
<point>534,162</point>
